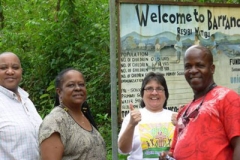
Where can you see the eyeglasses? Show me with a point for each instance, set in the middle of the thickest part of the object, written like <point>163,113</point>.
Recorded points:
<point>151,89</point>
<point>193,114</point>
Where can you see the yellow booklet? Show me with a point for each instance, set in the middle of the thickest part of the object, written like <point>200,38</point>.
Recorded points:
<point>155,138</point>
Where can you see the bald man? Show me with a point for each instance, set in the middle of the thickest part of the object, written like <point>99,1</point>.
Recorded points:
<point>209,126</point>
<point>19,120</point>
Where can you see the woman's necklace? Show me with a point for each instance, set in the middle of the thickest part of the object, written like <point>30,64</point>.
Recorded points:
<point>67,110</point>
<point>82,121</point>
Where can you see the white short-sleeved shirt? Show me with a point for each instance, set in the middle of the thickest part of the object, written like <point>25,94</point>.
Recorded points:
<point>19,125</point>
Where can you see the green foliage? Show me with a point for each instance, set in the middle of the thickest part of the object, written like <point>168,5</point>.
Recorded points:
<point>122,157</point>
<point>104,130</point>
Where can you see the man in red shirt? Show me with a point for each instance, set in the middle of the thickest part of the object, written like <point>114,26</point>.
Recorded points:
<point>208,127</point>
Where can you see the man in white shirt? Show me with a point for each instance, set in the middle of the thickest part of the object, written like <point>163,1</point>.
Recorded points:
<point>19,120</point>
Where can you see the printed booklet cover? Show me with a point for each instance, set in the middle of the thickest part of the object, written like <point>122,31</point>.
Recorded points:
<point>155,138</point>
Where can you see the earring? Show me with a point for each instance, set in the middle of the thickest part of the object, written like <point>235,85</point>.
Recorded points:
<point>84,109</point>
<point>60,100</point>
<point>64,107</point>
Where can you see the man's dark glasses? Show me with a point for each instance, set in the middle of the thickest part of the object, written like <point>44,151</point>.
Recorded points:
<point>193,114</point>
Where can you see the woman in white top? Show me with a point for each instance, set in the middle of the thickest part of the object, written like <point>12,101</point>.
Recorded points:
<point>148,131</point>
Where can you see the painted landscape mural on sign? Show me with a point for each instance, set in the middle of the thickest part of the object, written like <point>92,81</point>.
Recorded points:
<point>154,37</point>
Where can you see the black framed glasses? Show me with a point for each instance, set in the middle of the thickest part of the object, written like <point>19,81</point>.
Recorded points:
<point>151,89</point>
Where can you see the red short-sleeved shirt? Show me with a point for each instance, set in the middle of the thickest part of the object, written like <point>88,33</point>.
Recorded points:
<point>208,135</point>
